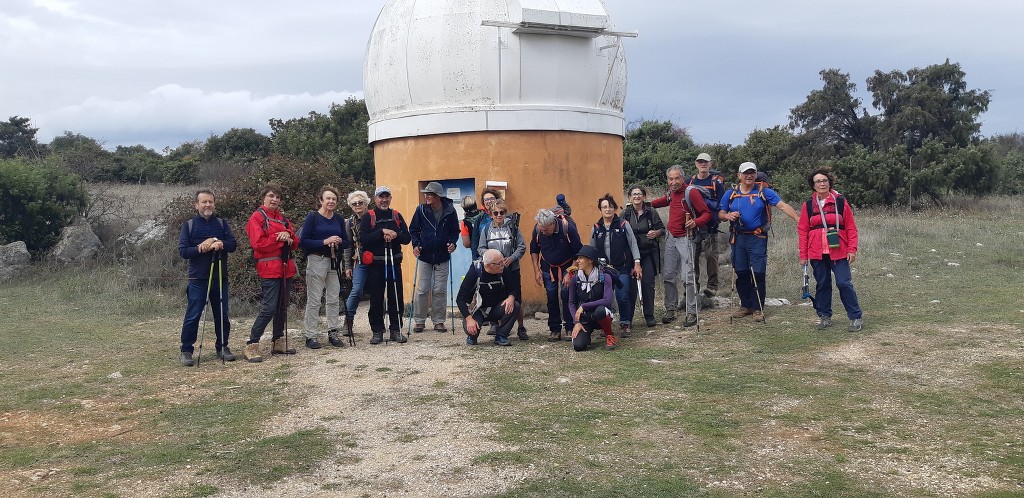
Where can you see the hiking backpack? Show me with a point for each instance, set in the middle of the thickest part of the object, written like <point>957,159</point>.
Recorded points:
<point>759,192</point>
<point>810,205</point>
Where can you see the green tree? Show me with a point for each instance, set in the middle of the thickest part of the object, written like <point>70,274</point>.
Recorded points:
<point>339,138</point>
<point>136,164</point>
<point>245,144</point>
<point>36,202</point>
<point>18,139</point>
<point>81,155</point>
<point>652,146</point>
<point>932,103</point>
<point>832,118</point>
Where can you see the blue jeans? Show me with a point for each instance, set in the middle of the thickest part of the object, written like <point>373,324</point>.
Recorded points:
<point>194,312</point>
<point>823,270</point>
<point>554,290</point>
<point>622,298</point>
<point>359,273</point>
<point>750,262</point>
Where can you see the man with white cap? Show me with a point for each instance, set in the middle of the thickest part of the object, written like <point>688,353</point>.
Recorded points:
<point>748,210</point>
<point>382,232</point>
<point>711,187</point>
<point>434,230</point>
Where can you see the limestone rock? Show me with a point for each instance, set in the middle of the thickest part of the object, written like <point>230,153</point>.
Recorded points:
<point>13,258</point>
<point>78,243</point>
<point>149,231</point>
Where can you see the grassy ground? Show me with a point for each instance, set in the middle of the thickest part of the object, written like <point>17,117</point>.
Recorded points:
<point>926,401</point>
<point>87,395</point>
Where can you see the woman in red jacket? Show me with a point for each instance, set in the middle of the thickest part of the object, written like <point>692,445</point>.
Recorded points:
<point>272,239</point>
<point>828,240</point>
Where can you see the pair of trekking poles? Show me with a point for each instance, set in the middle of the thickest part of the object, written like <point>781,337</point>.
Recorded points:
<point>217,261</point>
<point>336,265</point>
<point>451,287</point>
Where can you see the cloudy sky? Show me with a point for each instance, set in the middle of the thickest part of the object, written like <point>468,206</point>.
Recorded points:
<point>160,73</point>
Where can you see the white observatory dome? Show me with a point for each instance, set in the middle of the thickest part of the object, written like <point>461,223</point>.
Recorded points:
<point>449,66</point>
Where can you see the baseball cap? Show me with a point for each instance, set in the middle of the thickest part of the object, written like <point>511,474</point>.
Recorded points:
<point>383,189</point>
<point>704,156</point>
<point>748,166</point>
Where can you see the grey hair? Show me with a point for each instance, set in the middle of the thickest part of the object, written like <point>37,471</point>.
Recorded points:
<point>545,217</point>
<point>492,256</point>
<point>358,195</point>
<point>676,167</point>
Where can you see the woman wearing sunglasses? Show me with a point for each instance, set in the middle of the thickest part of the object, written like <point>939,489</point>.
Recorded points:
<point>503,235</point>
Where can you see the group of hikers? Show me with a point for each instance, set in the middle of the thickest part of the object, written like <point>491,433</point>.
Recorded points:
<point>587,286</point>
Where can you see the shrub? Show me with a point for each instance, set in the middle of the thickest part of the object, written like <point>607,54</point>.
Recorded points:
<point>36,202</point>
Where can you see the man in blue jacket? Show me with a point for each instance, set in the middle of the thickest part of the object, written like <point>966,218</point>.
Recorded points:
<point>435,230</point>
<point>205,242</point>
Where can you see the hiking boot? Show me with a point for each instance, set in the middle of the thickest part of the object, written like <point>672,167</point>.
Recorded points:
<point>279,347</point>
<point>555,336</point>
<point>252,353</point>
<point>758,316</point>
<point>470,340</point>
<point>624,331</point>
<point>225,354</point>
<point>396,335</point>
<point>690,320</point>
<point>186,359</point>
<point>610,342</point>
<point>669,316</point>
<point>378,337</point>
<point>502,341</point>
<point>439,327</point>
<point>824,322</point>
<point>742,312</point>
<point>418,328</point>
<point>709,293</point>
<point>651,322</point>
<point>348,327</point>
<point>312,343</point>
<point>493,330</point>
<point>856,325</point>
<point>334,337</point>
<point>521,333</point>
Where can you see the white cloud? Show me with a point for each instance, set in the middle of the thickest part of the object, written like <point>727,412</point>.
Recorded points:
<point>171,114</point>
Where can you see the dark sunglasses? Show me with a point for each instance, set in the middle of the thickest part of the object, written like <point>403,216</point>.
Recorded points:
<point>498,213</point>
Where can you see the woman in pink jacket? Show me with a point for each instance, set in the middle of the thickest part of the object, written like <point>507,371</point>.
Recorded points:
<point>828,240</point>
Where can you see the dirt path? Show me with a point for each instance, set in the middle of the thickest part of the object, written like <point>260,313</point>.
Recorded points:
<point>396,410</point>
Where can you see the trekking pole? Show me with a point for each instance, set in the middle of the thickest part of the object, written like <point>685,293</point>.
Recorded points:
<point>202,337</point>
<point>336,264</point>
<point>696,266</point>
<point>283,297</point>
<point>451,295</point>
<point>387,291</point>
<point>394,288</point>
<point>223,316</point>
<point>807,288</point>
<point>757,294</point>
<point>412,305</point>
